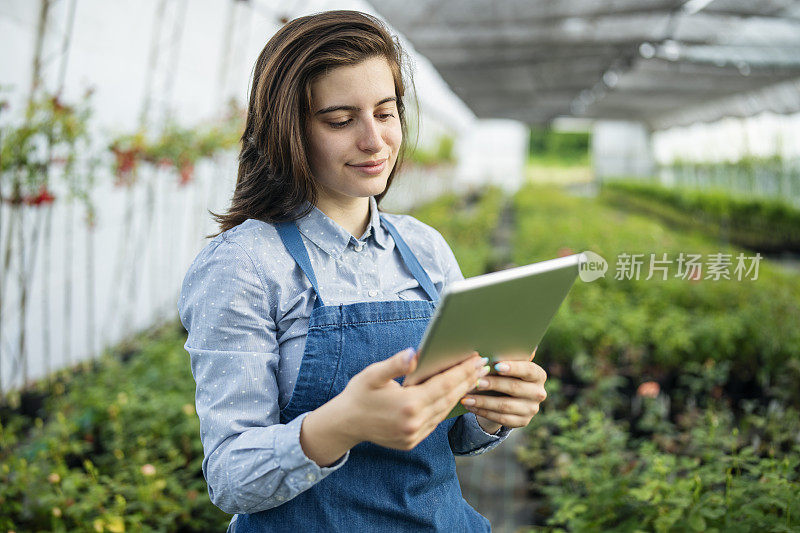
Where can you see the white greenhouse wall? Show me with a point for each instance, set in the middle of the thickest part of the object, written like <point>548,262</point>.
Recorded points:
<point>133,279</point>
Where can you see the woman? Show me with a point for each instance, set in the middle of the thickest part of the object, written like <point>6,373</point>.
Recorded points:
<point>303,421</point>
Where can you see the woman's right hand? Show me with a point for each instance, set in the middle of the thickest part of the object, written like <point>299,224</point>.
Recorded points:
<point>383,412</point>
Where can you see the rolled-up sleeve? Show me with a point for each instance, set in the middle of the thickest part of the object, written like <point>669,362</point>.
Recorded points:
<point>251,462</point>
<point>467,437</point>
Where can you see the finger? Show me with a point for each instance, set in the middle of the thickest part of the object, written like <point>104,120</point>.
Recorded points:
<point>413,364</point>
<point>395,366</point>
<point>444,382</point>
<point>502,404</point>
<point>444,404</point>
<point>527,370</point>
<point>505,419</point>
<point>516,387</point>
<point>445,393</point>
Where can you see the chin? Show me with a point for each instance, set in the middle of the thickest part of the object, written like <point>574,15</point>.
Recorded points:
<point>373,186</point>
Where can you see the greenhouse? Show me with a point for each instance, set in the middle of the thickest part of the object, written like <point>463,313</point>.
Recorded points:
<point>216,247</point>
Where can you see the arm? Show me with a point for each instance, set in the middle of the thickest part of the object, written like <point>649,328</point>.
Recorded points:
<point>252,462</point>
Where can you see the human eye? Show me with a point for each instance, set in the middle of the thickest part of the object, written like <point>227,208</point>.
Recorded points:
<point>339,125</point>
<point>385,114</point>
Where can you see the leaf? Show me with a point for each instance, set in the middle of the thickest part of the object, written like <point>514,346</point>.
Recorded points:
<point>697,522</point>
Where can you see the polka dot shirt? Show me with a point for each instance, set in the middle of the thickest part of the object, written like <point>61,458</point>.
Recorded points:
<point>246,306</point>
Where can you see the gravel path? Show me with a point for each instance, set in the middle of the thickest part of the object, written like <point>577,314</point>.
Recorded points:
<point>495,484</point>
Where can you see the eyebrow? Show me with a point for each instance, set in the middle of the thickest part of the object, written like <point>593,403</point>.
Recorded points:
<point>352,107</point>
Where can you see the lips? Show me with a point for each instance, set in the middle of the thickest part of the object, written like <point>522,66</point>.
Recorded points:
<point>370,164</point>
<point>370,168</point>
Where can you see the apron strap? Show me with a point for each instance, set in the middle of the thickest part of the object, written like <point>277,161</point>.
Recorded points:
<point>411,262</point>
<point>290,236</point>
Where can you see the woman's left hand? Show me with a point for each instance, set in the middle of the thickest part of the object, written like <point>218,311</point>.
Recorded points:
<point>523,381</point>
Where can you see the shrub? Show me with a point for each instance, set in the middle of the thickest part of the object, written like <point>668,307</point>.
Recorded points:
<point>467,223</point>
<point>769,225</point>
<point>655,327</point>
<point>701,473</point>
<point>119,449</point>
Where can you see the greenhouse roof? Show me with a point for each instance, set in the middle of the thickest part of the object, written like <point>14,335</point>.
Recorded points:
<point>664,62</point>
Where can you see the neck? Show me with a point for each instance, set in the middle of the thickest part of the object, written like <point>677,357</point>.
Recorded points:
<point>350,213</point>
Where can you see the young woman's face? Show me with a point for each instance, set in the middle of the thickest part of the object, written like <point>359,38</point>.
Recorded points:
<point>354,122</point>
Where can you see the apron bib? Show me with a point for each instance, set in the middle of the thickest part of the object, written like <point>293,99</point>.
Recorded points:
<point>377,488</point>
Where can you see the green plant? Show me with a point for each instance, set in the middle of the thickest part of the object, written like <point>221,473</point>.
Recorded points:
<point>177,146</point>
<point>440,154</point>
<point>705,473</point>
<point>51,133</point>
<point>767,224</point>
<point>118,449</point>
<point>558,148</point>
<point>659,326</point>
<point>467,225</point>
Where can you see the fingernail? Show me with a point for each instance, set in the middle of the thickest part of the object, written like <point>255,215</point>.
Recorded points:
<point>482,383</point>
<point>502,367</point>
<point>481,362</point>
<point>467,401</point>
<point>409,354</point>
<point>485,370</point>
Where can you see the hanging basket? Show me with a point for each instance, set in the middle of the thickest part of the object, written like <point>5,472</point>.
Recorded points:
<point>125,167</point>
<point>186,172</point>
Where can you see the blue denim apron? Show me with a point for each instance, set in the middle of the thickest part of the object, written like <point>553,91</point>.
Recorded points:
<point>378,488</point>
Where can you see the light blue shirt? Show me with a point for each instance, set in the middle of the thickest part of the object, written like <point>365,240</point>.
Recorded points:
<point>246,305</point>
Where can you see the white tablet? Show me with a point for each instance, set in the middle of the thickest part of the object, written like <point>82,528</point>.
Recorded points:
<point>502,315</point>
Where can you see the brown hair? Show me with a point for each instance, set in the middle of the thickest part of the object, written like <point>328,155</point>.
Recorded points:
<point>275,176</point>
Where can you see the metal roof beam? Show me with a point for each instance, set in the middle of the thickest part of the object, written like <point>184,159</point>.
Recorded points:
<point>701,28</point>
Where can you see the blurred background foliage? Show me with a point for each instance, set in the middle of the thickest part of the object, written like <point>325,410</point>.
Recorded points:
<point>672,404</point>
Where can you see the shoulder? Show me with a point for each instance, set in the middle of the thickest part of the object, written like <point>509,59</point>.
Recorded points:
<point>244,266</point>
<point>259,243</point>
<point>252,249</point>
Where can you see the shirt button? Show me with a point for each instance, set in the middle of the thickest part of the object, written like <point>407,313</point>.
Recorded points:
<point>373,293</point>
<point>359,246</point>
<point>311,477</point>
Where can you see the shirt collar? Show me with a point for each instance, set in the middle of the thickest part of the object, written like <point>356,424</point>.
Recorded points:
<point>320,229</point>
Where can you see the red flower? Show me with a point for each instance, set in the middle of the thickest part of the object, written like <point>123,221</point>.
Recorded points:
<point>187,171</point>
<point>126,164</point>
<point>648,389</point>
<point>563,252</point>
<point>43,197</point>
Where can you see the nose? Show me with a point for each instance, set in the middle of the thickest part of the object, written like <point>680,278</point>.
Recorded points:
<point>370,139</point>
